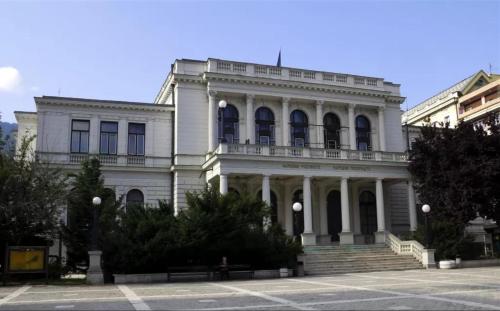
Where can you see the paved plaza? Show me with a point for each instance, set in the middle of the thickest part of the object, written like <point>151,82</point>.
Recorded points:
<point>470,289</point>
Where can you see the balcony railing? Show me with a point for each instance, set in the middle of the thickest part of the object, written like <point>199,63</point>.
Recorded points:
<point>105,159</point>
<point>313,153</point>
<point>273,72</point>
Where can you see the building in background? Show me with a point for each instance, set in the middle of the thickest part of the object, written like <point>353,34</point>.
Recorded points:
<point>469,100</point>
<point>330,141</point>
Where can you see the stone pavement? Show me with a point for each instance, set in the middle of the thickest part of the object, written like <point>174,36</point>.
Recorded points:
<point>461,289</point>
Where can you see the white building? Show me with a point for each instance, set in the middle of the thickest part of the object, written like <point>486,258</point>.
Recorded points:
<point>331,141</point>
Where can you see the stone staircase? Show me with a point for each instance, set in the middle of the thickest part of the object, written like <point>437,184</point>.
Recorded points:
<point>320,260</point>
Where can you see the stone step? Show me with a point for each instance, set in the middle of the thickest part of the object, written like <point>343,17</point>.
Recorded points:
<point>346,254</point>
<point>355,261</point>
<point>360,270</point>
<point>361,265</point>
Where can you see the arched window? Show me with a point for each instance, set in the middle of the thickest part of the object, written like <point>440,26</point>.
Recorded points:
<point>264,126</point>
<point>230,134</point>
<point>135,196</point>
<point>363,141</point>
<point>299,129</point>
<point>331,126</point>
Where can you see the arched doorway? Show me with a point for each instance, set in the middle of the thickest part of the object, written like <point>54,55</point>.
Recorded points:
<point>299,129</point>
<point>298,217</point>
<point>331,131</point>
<point>334,215</point>
<point>229,129</point>
<point>274,206</point>
<point>264,126</point>
<point>368,215</point>
<point>363,140</point>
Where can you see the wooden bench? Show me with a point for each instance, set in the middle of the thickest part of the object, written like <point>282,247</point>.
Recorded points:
<point>226,272</point>
<point>189,271</point>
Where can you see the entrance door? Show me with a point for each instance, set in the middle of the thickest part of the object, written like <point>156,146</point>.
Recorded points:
<point>368,215</point>
<point>298,217</point>
<point>334,215</point>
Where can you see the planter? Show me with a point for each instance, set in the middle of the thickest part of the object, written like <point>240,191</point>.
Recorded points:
<point>283,272</point>
<point>447,264</point>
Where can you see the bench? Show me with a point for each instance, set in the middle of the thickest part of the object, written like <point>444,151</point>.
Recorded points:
<point>227,271</point>
<point>188,271</point>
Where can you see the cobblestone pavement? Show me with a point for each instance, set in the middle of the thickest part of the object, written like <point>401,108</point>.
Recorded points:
<point>461,289</point>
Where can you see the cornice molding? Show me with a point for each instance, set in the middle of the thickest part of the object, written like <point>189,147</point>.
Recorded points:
<point>100,104</point>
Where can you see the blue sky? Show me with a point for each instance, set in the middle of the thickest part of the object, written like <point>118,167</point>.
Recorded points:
<point>123,50</point>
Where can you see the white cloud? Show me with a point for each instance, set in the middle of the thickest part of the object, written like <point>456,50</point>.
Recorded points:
<point>10,79</point>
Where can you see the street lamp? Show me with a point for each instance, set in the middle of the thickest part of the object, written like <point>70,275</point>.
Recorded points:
<point>297,206</point>
<point>96,201</point>
<point>222,106</point>
<point>426,209</point>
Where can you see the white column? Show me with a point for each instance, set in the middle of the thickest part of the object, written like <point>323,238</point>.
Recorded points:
<point>223,184</point>
<point>250,119</point>
<point>352,128</point>
<point>319,124</point>
<point>212,121</point>
<point>287,198</point>
<point>307,205</point>
<point>380,205</point>
<point>344,205</point>
<point>381,128</point>
<point>412,210</point>
<point>266,190</point>
<point>323,212</point>
<point>285,119</point>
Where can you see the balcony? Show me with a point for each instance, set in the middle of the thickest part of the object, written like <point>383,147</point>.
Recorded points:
<point>292,74</point>
<point>106,160</point>
<point>311,153</point>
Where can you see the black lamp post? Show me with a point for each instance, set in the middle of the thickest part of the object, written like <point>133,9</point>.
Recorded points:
<point>222,106</point>
<point>96,201</point>
<point>426,209</point>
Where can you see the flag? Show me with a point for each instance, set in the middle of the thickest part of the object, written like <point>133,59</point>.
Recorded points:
<point>278,64</point>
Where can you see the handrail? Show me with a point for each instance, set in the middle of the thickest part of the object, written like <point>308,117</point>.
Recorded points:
<point>407,248</point>
<point>302,152</point>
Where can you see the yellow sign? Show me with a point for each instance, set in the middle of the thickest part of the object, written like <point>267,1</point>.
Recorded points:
<point>26,259</point>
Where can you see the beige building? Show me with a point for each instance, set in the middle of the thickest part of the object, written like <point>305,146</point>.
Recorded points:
<point>469,100</point>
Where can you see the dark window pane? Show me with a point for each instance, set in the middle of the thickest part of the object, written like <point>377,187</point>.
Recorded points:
<point>75,141</point>
<point>109,127</point>
<point>81,125</point>
<point>104,143</point>
<point>84,142</point>
<point>112,143</point>
<point>136,128</point>
<point>140,144</point>
<point>131,144</point>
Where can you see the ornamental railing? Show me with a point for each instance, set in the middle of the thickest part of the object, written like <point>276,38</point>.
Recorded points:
<point>408,248</point>
<point>314,153</point>
<point>273,72</point>
<point>105,159</point>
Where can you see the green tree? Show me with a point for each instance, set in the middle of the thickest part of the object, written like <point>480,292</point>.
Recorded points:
<point>31,196</point>
<point>457,171</point>
<point>86,185</point>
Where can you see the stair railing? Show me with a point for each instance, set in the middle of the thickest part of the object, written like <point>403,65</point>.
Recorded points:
<point>408,248</point>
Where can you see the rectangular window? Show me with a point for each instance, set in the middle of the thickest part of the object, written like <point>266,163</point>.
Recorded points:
<point>80,136</point>
<point>136,132</point>
<point>109,138</point>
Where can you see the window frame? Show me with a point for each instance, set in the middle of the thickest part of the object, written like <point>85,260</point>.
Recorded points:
<point>101,132</point>
<point>79,137</point>
<point>135,134</point>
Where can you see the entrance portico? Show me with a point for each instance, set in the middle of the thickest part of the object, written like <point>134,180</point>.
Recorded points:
<point>345,206</point>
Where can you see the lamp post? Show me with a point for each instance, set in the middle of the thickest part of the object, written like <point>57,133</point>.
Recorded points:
<point>222,106</point>
<point>426,209</point>
<point>296,207</point>
<point>94,272</point>
<point>96,201</point>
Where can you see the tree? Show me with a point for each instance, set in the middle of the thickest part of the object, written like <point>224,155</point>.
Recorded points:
<point>31,196</point>
<point>457,171</point>
<point>86,185</point>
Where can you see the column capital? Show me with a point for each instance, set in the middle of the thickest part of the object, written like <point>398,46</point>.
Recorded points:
<point>212,92</point>
<point>379,179</point>
<point>344,178</point>
<point>320,102</point>
<point>285,100</point>
<point>351,106</point>
<point>266,175</point>
<point>307,176</point>
<point>250,97</point>
<point>381,108</point>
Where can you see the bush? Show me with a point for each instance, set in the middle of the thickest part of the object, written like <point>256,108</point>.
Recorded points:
<point>149,239</point>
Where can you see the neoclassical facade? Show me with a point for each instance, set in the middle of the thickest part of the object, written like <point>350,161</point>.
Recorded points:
<point>332,142</point>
